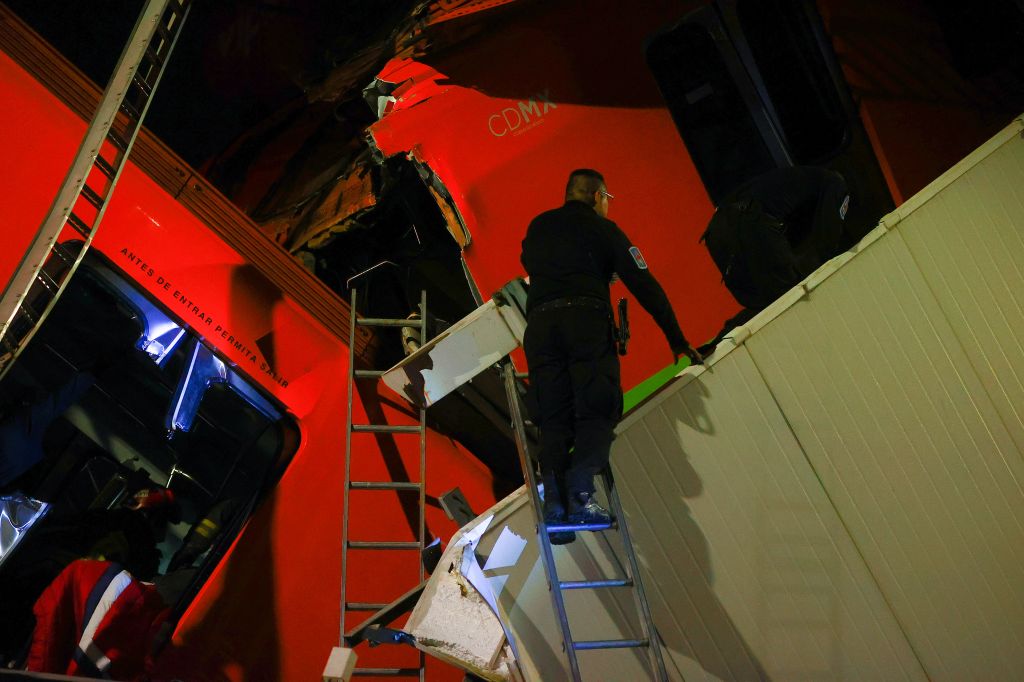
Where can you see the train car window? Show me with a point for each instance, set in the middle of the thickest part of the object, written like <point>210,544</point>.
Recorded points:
<point>708,108</point>
<point>89,466</point>
<point>749,89</point>
<point>781,38</point>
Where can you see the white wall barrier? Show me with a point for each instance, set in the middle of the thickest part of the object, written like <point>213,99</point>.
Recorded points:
<point>840,493</point>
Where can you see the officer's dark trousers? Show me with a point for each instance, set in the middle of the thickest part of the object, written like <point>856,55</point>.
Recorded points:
<point>750,248</point>
<point>577,397</point>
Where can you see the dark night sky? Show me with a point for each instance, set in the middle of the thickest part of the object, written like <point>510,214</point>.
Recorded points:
<point>236,62</point>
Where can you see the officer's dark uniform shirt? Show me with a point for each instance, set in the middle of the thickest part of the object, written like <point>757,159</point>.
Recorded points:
<point>572,251</point>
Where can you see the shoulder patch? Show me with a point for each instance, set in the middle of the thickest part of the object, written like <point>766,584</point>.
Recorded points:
<point>638,258</point>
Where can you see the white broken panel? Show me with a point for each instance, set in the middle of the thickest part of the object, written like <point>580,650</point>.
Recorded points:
<point>492,572</point>
<point>458,354</point>
<point>452,621</point>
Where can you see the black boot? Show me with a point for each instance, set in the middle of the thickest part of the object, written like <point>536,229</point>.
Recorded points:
<point>554,514</point>
<point>584,509</point>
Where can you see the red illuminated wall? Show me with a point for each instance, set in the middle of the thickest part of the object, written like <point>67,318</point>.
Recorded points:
<point>504,117</point>
<point>271,609</point>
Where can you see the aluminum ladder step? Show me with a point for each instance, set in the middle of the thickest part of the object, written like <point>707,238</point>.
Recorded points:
<point>610,644</point>
<point>570,527</point>
<point>363,606</point>
<point>385,672</point>
<point>387,322</point>
<point>383,544</point>
<point>594,584</point>
<point>384,428</point>
<point>384,485</point>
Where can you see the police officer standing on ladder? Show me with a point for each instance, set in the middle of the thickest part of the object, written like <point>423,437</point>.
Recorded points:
<point>571,255</point>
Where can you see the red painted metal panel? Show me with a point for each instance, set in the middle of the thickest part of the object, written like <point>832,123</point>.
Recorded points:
<point>270,610</point>
<point>506,117</point>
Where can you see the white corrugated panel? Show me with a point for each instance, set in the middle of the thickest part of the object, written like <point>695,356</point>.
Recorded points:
<point>912,453</point>
<point>968,242</point>
<point>748,568</point>
<point>843,496</point>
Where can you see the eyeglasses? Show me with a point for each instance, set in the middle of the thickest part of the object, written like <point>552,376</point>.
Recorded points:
<point>607,194</point>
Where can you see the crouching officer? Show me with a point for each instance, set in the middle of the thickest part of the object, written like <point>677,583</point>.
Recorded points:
<point>571,254</point>
<point>773,231</point>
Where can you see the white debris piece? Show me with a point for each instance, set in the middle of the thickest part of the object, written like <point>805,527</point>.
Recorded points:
<point>340,665</point>
<point>457,624</point>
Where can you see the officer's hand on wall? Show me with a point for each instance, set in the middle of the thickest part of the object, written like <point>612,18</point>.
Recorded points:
<point>695,357</point>
<point>689,351</point>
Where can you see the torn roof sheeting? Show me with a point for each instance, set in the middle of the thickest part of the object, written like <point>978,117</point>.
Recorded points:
<point>333,211</point>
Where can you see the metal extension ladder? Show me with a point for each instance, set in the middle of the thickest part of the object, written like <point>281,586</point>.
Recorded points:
<point>557,586</point>
<point>381,613</point>
<point>83,198</point>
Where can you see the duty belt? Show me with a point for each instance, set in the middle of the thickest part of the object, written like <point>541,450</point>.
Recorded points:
<point>572,302</point>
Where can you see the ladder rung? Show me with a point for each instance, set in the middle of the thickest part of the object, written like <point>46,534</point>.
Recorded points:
<point>116,140</point>
<point>384,322</point>
<point>610,644</point>
<point>27,311</point>
<point>105,167</point>
<point>142,84</point>
<point>130,111</point>
<point>80,225</point>
<point>594,584</point>
<point>368,373</point>
<point>92,196</point>
<point>386,672</point>
<point>569,527</point>
<point>48,282</point>
<point>384,545</point>
<point>154,56</point>
<point>164,32</point>
<point>384,485</point>
<point>384,428</point>
<point>62,253</point>
<point>363,606</point>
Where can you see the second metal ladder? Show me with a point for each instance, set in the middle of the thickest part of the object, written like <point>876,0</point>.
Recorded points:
<point>556,586</point>
<point>380,612</point>
<point>82,200</point>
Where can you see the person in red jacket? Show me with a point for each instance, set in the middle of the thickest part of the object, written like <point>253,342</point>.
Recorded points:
<point>95,620</point>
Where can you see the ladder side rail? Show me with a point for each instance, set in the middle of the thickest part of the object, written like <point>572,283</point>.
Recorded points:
<point>423,472</point>
<point>639,596</point>
<point>355,635</point>
<point>547,555</point>
<point>348,464</point>
<point>29,268</point>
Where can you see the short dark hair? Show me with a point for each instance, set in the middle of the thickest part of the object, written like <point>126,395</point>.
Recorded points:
<point>583,182</point>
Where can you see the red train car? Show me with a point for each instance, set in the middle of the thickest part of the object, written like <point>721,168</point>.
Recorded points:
<point>222,376</point>
<point>493,103</point>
